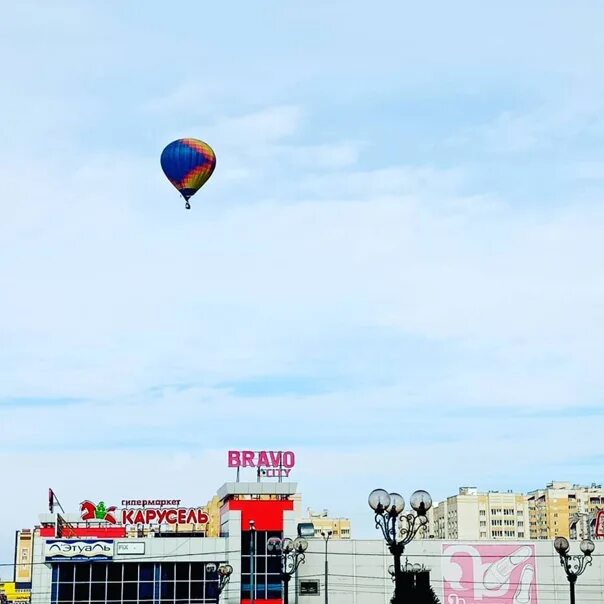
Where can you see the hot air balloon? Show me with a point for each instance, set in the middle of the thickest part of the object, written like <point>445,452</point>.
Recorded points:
<point>188,163</point>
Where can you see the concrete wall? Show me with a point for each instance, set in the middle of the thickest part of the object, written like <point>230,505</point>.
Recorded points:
<point>358,572</point>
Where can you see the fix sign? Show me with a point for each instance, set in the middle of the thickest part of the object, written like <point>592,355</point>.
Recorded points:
<point>277,463</point>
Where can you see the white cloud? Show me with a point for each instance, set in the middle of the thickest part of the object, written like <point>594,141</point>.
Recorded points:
<point>259,128</point>
<point>552,123</point>
<point>322,157</point>
<point>193,98</point>
<point>121,285</point>
<point>588,171</point>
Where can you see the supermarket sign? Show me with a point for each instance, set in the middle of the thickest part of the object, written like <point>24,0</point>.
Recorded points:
<point>78,549</point>
<point>143,512</point>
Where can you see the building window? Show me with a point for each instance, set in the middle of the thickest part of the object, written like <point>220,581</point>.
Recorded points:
<point>268,582</point>
<point>130,583</point>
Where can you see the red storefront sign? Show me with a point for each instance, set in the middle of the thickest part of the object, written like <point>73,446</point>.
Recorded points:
<point>143,515</point>
<point>164,516</point>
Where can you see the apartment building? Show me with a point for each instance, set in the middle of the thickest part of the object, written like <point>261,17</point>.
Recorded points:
<point>340,527</point>
<point>564,509</point>
<point>471,515</point>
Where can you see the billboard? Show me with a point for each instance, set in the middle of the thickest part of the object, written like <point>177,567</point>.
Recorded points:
<point>489,574</point>
<point>600,524</point>
<point>130,548</point>
<point>23,556</point>
<point>78,549</point>
<point>272,464</point>
<point>148,511</point>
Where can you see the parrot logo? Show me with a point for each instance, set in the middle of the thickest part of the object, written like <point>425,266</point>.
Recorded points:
<point>90,511</point>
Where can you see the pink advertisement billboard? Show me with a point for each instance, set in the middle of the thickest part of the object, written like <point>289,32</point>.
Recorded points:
<point>489,574</point>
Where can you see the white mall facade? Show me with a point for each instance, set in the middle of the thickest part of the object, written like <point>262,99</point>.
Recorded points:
<point>106,568</point>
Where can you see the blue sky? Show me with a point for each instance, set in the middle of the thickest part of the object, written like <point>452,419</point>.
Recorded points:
<point>395,269</point>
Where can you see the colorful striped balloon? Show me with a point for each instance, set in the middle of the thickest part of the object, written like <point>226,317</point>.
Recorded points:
<point>188,163</point>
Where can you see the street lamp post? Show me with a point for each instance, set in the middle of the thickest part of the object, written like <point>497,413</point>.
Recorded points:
<point>224,575</point>
<point>252,561</point>
<point>291,553</point>
<point>574,566</point>
<point>326,535</point>
<point>399,528</point>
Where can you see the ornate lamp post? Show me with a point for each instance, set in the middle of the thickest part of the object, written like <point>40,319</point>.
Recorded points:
<point>574,566</point>
<point>326,535</point>
<point>292,555</point>
<point>399,528</point>
<point>409,568</point>
<point>224,575</point>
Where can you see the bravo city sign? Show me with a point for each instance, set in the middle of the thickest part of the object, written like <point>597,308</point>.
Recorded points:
<point>273,464</point>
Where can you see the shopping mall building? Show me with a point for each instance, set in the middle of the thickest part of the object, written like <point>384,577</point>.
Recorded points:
<point>161,551</point>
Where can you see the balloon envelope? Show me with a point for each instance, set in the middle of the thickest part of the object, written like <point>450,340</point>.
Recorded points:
<point>188,163</point>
